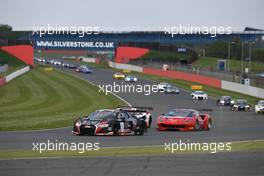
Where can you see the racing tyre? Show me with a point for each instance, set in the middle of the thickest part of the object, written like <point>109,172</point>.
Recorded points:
<point>141,130</point>
<point>150,121</point>
<point>197,126</point>
<point>209,125</point>
<point>115,129</point>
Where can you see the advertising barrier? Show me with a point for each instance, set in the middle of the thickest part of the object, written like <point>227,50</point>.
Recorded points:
<point>245,89</point>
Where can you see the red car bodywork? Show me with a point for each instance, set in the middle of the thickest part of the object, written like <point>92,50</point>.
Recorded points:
<point>194,122</point>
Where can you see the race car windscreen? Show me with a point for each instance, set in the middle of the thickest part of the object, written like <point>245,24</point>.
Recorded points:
<point>241,103</point>
<point>178,113</point>
<point>101,115</point>
<point>226,98</point>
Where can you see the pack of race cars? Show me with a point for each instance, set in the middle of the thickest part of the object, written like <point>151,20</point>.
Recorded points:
<point>81,69</point>
<point>136,120</point>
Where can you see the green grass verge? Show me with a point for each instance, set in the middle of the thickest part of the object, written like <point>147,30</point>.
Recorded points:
<point>235,65</point>
<point>130,151</point>
<point>43,100</point>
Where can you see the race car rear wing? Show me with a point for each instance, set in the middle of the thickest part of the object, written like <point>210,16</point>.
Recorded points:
<point>135,109</point>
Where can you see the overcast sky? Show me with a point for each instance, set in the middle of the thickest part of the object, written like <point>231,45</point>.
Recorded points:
<point>120,14</point>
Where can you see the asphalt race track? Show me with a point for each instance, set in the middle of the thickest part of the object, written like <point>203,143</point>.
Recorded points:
<point>246,163</point>
<point>227,126</point>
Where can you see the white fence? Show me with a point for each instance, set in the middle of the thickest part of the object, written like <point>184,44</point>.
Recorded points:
<point>88,59</point>
<point>244,89</point>
<point>17,73</point>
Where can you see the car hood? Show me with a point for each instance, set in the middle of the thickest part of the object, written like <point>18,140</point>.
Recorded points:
<point>87,121</point>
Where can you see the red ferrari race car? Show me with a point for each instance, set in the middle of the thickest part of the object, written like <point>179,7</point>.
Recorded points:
<point>185,120</point>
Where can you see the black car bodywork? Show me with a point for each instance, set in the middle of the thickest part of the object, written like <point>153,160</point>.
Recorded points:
<point>225,101</point>
<point>110,122</point>
<point>240,105</point>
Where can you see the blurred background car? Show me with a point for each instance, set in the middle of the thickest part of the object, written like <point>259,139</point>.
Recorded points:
<point>259,107</point>
<point>170,89</point>
<point>161,86</point>
<point>119,75</point>
<point>225,101</point>
<point>131,78</point>
<point>199,95</point>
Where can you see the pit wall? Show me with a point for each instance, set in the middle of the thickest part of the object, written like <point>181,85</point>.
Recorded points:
<point>205,80</point>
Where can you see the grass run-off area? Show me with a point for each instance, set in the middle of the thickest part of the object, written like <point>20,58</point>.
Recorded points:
<point>48,99</point>
<point>236,146</point>
<point>235,65</point>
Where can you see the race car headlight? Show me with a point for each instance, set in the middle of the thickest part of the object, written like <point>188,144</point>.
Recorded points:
<point>135,79</point>
<point>232,102</point>
<point>247,106</point>
<point>222,101</point>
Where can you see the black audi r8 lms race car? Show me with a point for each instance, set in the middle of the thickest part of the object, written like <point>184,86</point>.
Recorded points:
<point>110,122</point>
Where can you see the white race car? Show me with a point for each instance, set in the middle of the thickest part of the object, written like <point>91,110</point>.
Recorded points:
<point>139,112</point>
<point>259,108</point>
<point>199,95</point>
<point>57,63</point>
<point>162,86</point>
<point>131,78</point>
